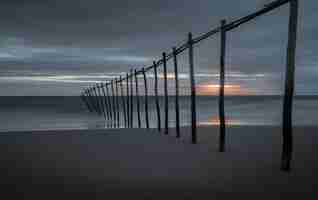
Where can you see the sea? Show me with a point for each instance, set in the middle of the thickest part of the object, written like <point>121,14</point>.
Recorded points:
<point>29,113</point>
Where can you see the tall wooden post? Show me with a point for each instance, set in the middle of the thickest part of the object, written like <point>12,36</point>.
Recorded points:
<point>221,92</point>
<point>88,91</point>
<point>146,97</point>
<point>131,99</point>
<point>193,92</point>
<point>128,108</point>
<point>123,101</point>
<point>105,101</point>
<point>114,102</point>
<point>97,102</point>
<point>137,99</point>
<point>289,87</point>
<point>110,109</point>
<point>164,59</point>
<point>117,103</point>
<point>175,63</point>
<point>101,97</point>
<point>157,96</point>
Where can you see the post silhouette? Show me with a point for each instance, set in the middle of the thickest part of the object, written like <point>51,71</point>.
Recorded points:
<point>137,99</point>
<point>193,92</point>
<point>221,92</point>
<point>175,64</point>
<point>131,99</point>
<point>156,96</point>
<point>164,60</point>
<point>117,103</point>
<point>123,102</point>
<point>109,100</point>
<point>146,97</point>
<point>289,87</point>
<point>101,99</point>
<point>113,102</point>
<point>127,95</point>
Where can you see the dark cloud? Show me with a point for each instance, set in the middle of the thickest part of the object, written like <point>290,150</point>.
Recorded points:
<point>98,36</point>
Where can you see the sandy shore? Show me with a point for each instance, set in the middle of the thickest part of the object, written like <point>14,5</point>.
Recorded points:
<point>146,164</point>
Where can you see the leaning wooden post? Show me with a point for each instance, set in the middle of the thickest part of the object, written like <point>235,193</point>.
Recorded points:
<point>193,92</point>
<point>109,101</point>
<point>156,96</point>
<point>146,97</point>
<point>164,59</point>
<point>175,62</point>
<point>97,102</point>
<point>221,92</point>
<point>137,99</point>
<point>105,101</point>
<point>127,90</point>
<point>117,102</point>
<point>289,87</point>
<point>91,99</point>
<point>123,101</point>
<point>131,99</point>
<point>101,99</point>
<point>114,102</point>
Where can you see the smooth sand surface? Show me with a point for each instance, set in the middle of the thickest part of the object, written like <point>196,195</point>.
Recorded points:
<point>146,164</point>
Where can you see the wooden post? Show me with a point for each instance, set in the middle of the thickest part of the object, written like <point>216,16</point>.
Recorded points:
<point>97,102</point>
<point>114,102</point>
<point>87,100</point>
<point>101,99</point>
<point>137,99</point>
<point>221,92</point>
<point>157,97</point>
<point>164,59</point>
<point>193,92</point>
<point>109,101</point>
<point>117,103</point>
<point>84,101</point>
<point>146,97</point>
<point>123,101</point>
<point>175,62</point>
<point>128,109</point>
<point>105,101</point>
<point>289,87</point>
<point>131,100</point>
<point>91,99</point>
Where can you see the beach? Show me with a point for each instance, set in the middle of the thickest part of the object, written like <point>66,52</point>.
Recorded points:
<point>146,164</point>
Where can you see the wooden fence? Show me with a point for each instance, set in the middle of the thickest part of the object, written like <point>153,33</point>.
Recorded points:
<point>109,100</point>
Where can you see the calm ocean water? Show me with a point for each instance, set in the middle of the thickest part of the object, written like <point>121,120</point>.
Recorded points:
<point>50,113</point>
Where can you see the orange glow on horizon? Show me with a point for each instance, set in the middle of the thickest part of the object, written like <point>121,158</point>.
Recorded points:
<point>215,121</point>
<point>213,89</point>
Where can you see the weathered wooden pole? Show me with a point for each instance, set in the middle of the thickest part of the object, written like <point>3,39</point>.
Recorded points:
<point>128,108</point>
<point>157,96</point>
<point>114,102</point>
<point>146,97</point>
<point>123,102</point>
<point>137,99</point>
<point>221,88</point>
<point>164,59</point>
<point>101,98</point>
<point>289,87</point>
<point>131,99</point>
<point>105,101</point>
<point>88,91</point>
<point>87,101</point>
<point>97,102</point>
<point>193,92</point>
<point>109,101</point>
<point>175,63</point>
<point>117,103</point>
<point>91,90</point>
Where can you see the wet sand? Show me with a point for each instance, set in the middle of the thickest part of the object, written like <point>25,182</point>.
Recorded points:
<point>146,164</point>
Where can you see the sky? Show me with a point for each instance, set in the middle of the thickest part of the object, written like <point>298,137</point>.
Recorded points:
<point>60,47</point>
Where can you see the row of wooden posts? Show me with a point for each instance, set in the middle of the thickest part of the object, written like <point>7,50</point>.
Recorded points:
<point>117,106</point>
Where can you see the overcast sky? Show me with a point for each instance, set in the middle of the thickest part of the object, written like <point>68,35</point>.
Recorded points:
<point>58,47</point>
